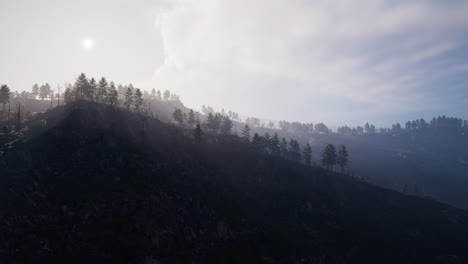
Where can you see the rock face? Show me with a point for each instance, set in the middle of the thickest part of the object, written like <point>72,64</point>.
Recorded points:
<point>96,185</point>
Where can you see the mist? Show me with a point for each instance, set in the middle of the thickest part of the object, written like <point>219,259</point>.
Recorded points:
<point>221,131</point>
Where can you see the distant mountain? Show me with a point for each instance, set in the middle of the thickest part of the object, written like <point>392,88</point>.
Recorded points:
<point>87,183</point>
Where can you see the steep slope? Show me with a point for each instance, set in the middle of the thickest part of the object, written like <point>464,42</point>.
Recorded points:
<point>98,185</point>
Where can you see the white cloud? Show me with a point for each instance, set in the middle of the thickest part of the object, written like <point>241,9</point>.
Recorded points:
<point>234,52</point>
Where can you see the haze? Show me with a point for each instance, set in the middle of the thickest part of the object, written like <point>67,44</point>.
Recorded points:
<point>344,62</point>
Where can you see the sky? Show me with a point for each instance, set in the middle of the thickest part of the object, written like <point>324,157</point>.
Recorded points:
<point>339,62</point>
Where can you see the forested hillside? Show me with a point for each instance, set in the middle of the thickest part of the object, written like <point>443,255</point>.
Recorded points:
<point>88,182</point>
<point>419,157</point>
<point>425,160</point>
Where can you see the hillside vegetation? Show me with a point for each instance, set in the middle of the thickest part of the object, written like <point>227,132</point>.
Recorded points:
<point>91,183</point>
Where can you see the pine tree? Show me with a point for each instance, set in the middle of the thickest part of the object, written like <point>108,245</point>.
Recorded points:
<point>226,126</point>
<point>128,98</point>
<point>178,116</point>
<point>67,96</point>
<point>246,133</point>
<point>307,154</point>
<point>275,144</point>
<point>283,146</point>
<point>342,158</point>
<point>191,118</point>
<point>158,96</point>
<point>35,91</point>
<point>57,95</point>
<point>81,86</point>
<point>167,95</point>
<point>256,141</point>
<point>138,100</point>
<point>113,96</point>
<point>294,150</point>
<point>102,94</point>
<point>210,121</point>
<point>44,91</point>
<point>4,95</point>
<point>91,91</point>
<point>266,142</point>
<point>198,134</point>
<point>329,156</point>
<point>51,95</point>
<point>214,122</point>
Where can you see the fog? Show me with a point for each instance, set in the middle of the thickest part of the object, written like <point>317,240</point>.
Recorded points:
<point>233,131</point>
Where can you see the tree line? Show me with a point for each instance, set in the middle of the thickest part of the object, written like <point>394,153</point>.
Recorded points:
<point>292,150</point>
<point>217,123</point>
<point>132,99</point>
<point>272,144</point>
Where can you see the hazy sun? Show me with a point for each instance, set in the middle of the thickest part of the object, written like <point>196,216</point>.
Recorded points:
<point>88,43</point>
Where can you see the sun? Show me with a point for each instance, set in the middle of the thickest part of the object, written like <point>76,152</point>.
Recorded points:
<point>88,43</point>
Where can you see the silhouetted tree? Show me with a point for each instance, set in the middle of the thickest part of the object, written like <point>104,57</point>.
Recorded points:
<point>360,130</point>
<point>51,95</point>
<point>167,95</point>
<point>329,156</point>
<point>246,133</point>
<point>158,96</point>
<point>266,142</point>
<point>294,150</point>
<point>214,122</point>
<point>35,91</point>
<point>178,116</point>
<point>20,115</point>
<point>138,100</point>
<point>256,141</point>
<point>4,95</point>
<point>81,86</point>
<point>68,95</point>
<point>396,128</point>
<point>307,154</point>
<point>367,128</point>
<point>408,125</point>
<point>128,98</point>
<point>342,158</point>
<point>321,128</point>
<point>275,145</point>
<point>58,94</point>
<point>91,91</point>
<point>283,146</point>
<point>197,134</point>
<point>101,93</point>
<point>191,118</point>
<point>226,125</point>
<point>113,96</point>
<point>210,121</point>
<point>44,91</point>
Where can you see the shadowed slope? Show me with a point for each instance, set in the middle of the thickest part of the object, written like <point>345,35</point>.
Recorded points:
<point>100,185</point>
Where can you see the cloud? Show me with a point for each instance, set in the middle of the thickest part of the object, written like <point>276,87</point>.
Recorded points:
<point>253,55</point>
